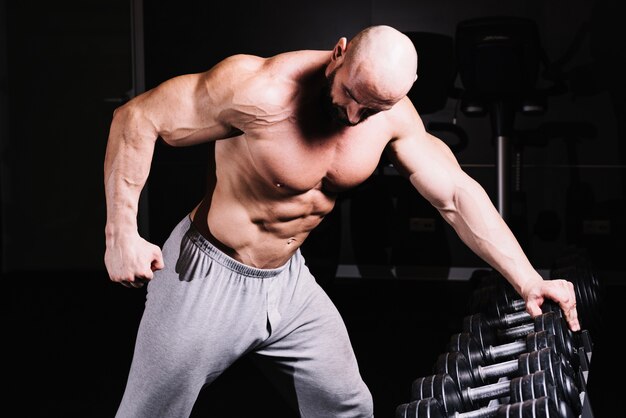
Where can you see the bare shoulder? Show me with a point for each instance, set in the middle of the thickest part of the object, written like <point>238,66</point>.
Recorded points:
<point>243,79</point>
<point>257,84</point>
<point>232,72</point>
<point>405,122</point>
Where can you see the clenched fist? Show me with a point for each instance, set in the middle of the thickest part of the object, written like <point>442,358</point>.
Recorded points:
<point>131,260</point>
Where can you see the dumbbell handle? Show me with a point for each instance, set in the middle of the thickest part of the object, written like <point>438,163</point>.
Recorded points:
<point>494,352</point>
<point>477,355</point>
<point>494,371</point>
<point>514,318</point>
<point>487,392</point>
<point>517,332</point>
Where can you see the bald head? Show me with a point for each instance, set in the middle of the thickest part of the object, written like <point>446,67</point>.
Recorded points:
<point>384,59</point>
<point>370,74</point>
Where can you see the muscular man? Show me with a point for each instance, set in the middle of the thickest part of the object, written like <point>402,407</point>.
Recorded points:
<point>290,133</point>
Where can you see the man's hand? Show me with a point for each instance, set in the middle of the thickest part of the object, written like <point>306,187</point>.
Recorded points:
<point>560,291</point>
<point>131,260</point>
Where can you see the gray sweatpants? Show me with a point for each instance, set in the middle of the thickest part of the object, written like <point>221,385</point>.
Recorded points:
<point>205,310</point>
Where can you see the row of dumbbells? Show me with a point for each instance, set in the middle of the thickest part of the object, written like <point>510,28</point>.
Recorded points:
<point>505,363</point>
<point>469,377</point>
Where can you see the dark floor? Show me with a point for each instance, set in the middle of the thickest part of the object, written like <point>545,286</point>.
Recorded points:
<point>72,334</point>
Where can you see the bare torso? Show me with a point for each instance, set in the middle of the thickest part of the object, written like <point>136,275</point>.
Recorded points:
<point>279,177</point>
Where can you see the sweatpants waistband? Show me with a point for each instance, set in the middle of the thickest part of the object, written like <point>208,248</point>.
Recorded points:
<point>217,255</point>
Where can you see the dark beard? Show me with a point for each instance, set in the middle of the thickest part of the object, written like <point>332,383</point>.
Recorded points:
<point>336,113</point>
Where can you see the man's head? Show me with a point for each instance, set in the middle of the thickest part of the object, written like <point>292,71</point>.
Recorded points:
<point>370,73</point>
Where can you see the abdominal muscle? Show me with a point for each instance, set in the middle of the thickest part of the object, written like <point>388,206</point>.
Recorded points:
<point>261,228</point>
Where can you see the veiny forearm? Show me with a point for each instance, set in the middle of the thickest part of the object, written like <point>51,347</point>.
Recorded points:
<point>126,167</point>
<point>483,230</point>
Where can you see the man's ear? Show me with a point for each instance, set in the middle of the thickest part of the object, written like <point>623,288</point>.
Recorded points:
<point>336,58</point>
<point>340,49</point>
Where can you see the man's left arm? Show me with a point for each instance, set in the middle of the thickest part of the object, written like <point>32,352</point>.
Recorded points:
<point>433,170</point>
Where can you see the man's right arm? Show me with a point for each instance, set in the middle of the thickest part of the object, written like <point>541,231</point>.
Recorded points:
<point>128,258</point>
<point>185,110</point>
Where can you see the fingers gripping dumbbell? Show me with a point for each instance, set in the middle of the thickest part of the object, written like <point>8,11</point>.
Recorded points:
<point>455,364</point>
<point>443,388</point>
<point>511,312</point>
<point>542,407</point>
<point>507,320</point>
<point>504,307</point>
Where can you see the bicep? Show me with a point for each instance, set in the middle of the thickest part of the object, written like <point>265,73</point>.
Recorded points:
<point>429,164</point>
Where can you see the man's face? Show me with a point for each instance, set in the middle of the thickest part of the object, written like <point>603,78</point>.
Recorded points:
<point>344,106</point>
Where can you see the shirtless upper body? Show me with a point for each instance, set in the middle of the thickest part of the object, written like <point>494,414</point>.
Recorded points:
<point>291,132</point>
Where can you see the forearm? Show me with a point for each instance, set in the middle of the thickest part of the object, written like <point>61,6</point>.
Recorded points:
<point>126,167</point>
<point>482,229</point>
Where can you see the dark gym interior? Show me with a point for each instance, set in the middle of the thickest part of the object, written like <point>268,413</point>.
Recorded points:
<point>397,273</point>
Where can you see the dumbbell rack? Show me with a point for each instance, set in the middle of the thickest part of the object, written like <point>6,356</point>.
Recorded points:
<point>584,350</point>
<point>584,353</point>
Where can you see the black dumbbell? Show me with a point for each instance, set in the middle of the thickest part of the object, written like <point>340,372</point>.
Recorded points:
<point>453,399</point>
<point>465,374</point>
<point>549,321</point>
<point>455,364</point>
<point>498,319</point>
<point>476,355</point>
<point>589,293</point>
<point>542,407</point>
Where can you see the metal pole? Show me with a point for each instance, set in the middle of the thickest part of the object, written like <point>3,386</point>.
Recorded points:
<point>503,164</point>
<point>502,116</point>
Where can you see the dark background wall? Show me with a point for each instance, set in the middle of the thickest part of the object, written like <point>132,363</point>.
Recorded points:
<point>64,61</point>
<point>66,65</point>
